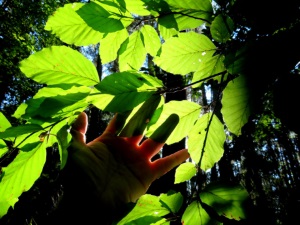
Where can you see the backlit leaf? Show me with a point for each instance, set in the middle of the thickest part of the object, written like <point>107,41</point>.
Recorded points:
<point>110,45</point>
<point>67,24</point>
<point>184,172</point>
<point>188,113</point>
<point>100,17</point>
<point>4,123</point>
<point>51,102</point>
<point>203,5</point>
<point>21,174</point>
<point>3,149</point>
<point>172,200</point>
<point>191,14</point>
<point>151,40</point>
<point>208,131</point>
<point>167,26</point>
<point>60,64</point>
<point>20,130</point>
<point>117,11</point>
<point>222,28</point>
<point>236,104</point>
<point>140,116</point>
<point>132,53</point>
<point>63,137</point>
<point>226,199</point>
<point>126,90</point>
<point>183,54</point>
<point>209,67</point>
<point>147,205</point>
<point>194,214</point>
<point>137,7</point>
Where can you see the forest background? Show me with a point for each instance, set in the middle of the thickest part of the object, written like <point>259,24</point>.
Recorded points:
<point>255,40</point>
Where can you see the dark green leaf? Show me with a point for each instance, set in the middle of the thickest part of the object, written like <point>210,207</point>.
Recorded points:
<point>222,28</point>
<point>99,18</point>
<point>226,199</point>
<point>139,121</point>
<point>20,130</point>
<point>128,89</point>
<point>172,200</point>
<point>147,205</point>
<point>4,123</point>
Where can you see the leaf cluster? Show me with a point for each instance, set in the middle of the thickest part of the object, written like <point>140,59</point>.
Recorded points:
<point>195,39</point>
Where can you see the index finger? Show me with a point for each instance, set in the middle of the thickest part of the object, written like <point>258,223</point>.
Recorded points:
<point>164,165</point>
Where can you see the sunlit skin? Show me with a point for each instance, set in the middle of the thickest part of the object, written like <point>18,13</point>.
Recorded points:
<point>120,168</point>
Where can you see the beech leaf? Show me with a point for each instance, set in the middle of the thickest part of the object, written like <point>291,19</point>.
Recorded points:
<point>58,65</point>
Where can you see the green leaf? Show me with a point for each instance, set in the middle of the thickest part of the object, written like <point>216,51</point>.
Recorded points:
<point>162,133</point>
<point>128,116</point>
<point>191,19</point>
<point>132,53</point>
<point>191,14</point>
<point>3,149</point>
<point>137,123</point>
<point>110,45</point>
<point>157,8</point>
<point>60,64</point>
<point>148,220</point>
<point>20,130</point>
<point>151,40</point>
<point>51,102</point>
<point>236,104</point>
<point>172,200</point>
<point>128,89</point>
<point>188,113</point>
<point>196,215</point>
<point>137,7</point>
<point>101,17</point>
<point>4,206</point>
<point>208,130</point>
<point>203,5</point>
<point>117,11</point>
<point>209,67</point>
<point>162,221</point>
<point>4,123</point>
<point>222,28</point>
<point>20,175</point>
<point>147,205</point>
<point>226,199</point>
<point>61,106</point>
<point>167,26</point>
<point>235,61</point>
<point>184,172</point>
<point>183,54</point>
<point>63,137</point>
<point>71,28</point>
<point>101,101</point>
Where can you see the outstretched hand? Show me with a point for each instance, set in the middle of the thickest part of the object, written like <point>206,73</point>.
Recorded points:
<point>118,170</point>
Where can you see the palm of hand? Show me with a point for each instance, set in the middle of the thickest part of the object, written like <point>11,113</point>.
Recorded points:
<point>120,168</point>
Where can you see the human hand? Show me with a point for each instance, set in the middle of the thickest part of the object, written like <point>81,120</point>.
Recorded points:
<point>120,168</point>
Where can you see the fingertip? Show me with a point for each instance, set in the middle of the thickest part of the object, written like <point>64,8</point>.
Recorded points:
<point>81,123</point>
<point>164,165</point>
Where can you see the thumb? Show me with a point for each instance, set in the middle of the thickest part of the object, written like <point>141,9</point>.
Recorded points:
<point>79,128</point>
